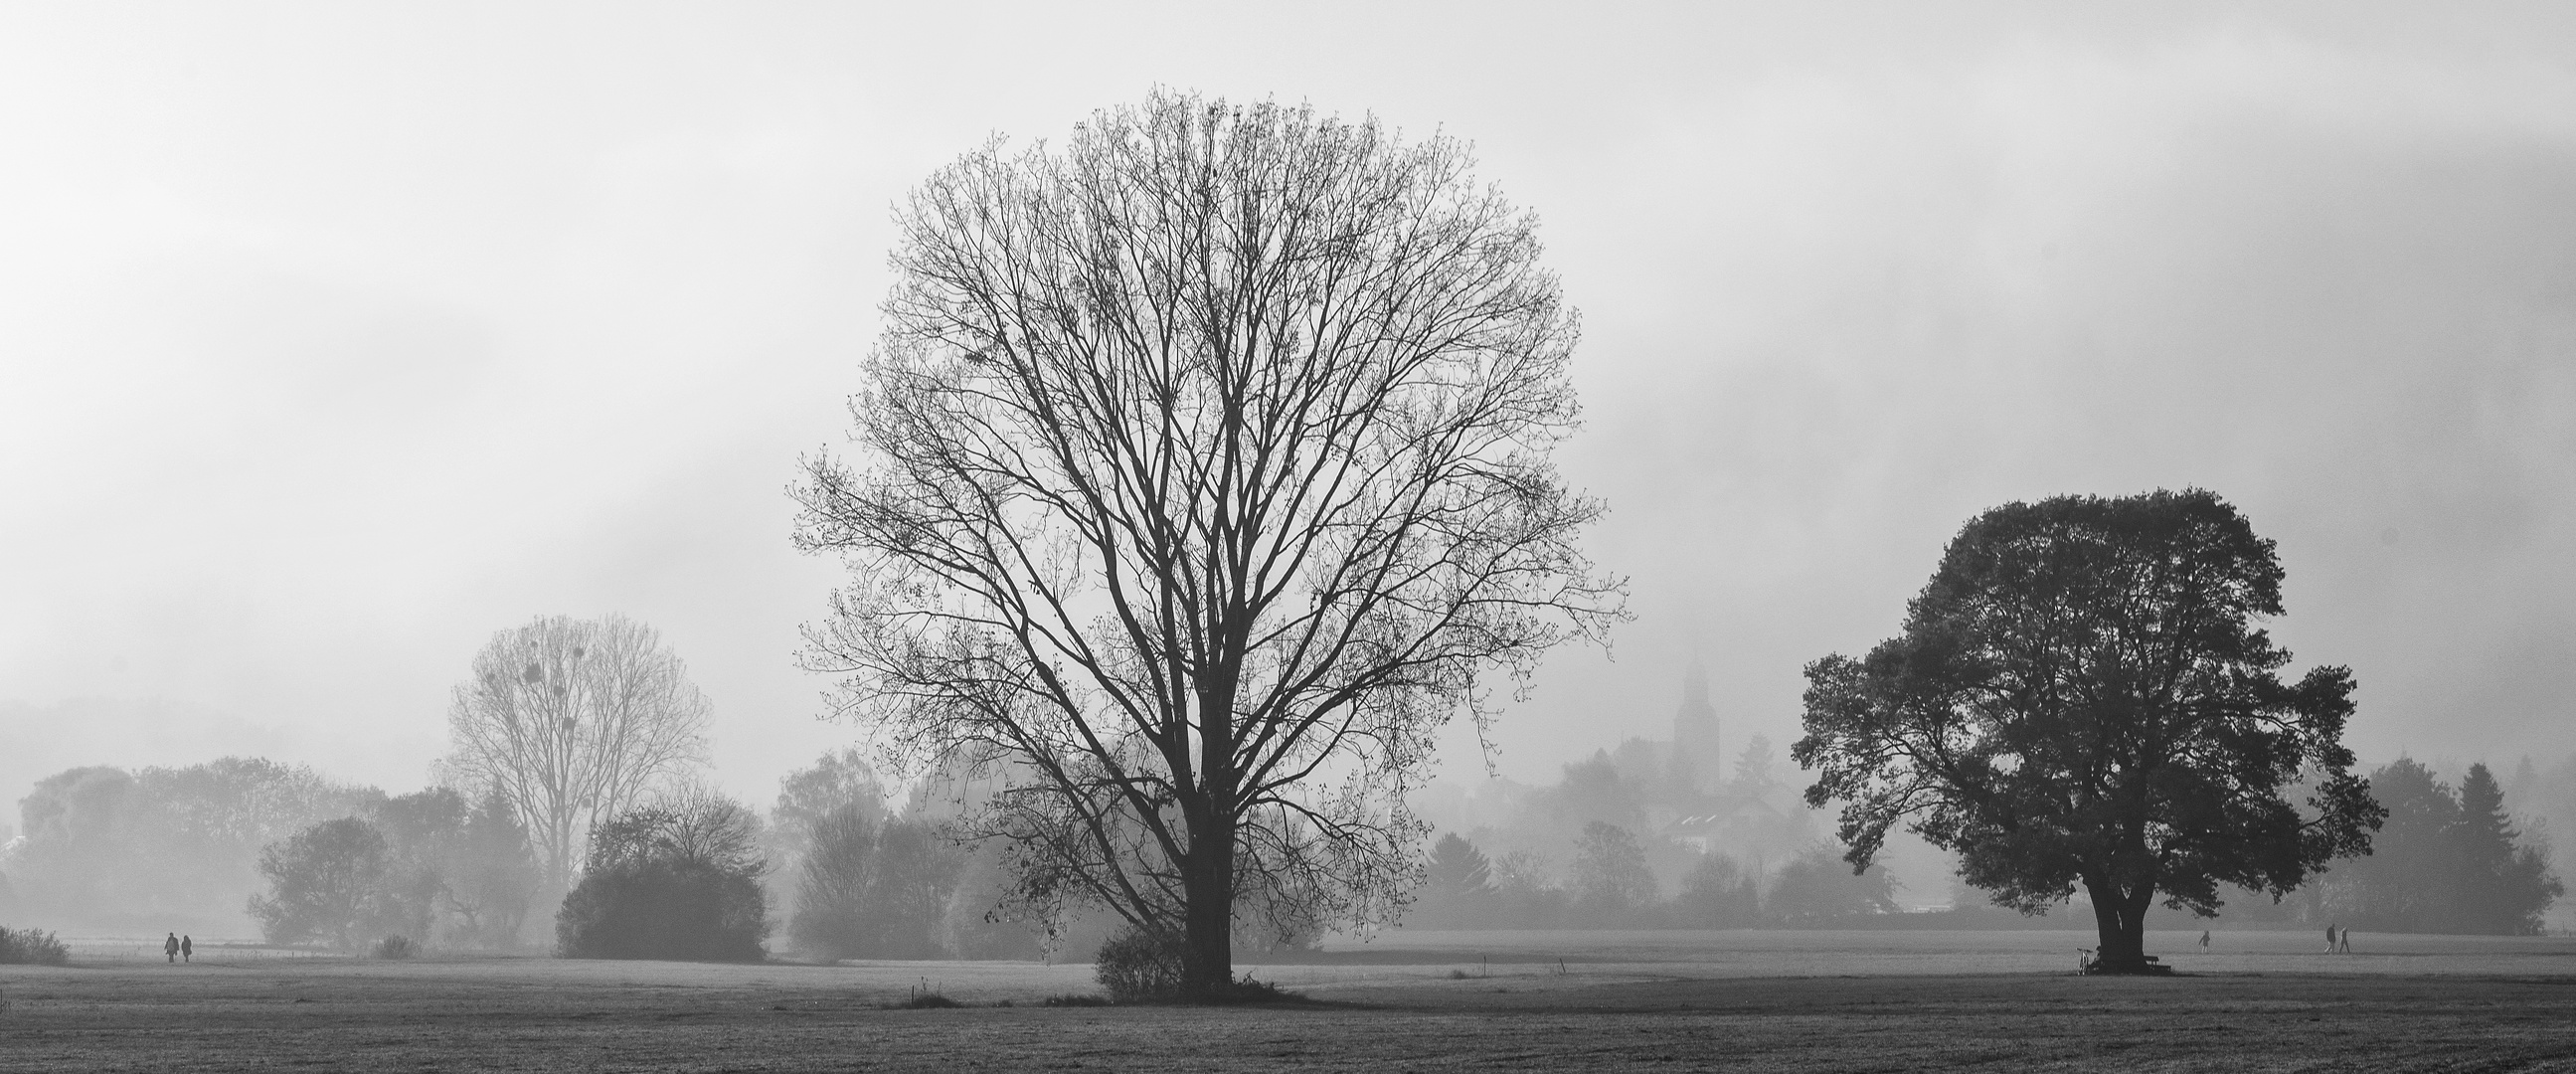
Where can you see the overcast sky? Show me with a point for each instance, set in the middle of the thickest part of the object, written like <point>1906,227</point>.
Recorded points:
<point>335,338</point>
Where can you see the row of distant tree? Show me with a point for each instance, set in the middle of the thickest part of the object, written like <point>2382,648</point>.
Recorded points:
<point>1611,886</point>
<point>692,874</point>
<point>2447,860</point>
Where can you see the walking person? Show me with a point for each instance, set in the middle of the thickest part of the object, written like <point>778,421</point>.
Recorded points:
<point>2343,943</point>
<point>2204,939</point>
<point>170,947</point>
<point>188,947</point>
<point>2330,939</point>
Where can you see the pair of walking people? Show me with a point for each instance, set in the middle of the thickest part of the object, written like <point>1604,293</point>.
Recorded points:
<point>2338,941</point>
<point>179,948</point>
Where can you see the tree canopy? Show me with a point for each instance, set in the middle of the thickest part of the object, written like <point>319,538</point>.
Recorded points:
<point>2081,696</point>
<point>1203,472</point>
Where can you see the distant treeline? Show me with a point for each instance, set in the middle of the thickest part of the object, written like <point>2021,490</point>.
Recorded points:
<point>836,870</point>
<point>2448,860</point>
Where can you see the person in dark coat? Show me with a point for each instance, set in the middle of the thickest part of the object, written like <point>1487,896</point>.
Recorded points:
<point>187,948</point>
<point>170,947</point>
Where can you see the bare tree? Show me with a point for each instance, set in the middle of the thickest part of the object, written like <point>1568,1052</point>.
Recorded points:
<point>571,721</point>
<point>1203,474</point>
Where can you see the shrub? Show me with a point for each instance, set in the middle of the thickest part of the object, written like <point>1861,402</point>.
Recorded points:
<point>679,880</point>
<point>1139,965</point>
<point>396,946</point>
<point>33,948</point>
<point>924,996</point>
<point>683,910</point>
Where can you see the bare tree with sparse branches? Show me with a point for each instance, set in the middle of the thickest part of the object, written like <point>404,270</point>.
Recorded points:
<point>1202,474</point>
<point>572,721</point>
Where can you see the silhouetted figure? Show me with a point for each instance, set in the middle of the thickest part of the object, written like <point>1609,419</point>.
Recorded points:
<point>170,947</point>
<point>2204,939</point>
<point>188,947</point>
<point>2330,939</point>
<point>2343,942</point>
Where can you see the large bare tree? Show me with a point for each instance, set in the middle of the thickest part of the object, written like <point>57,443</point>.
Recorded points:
<point>1202,474</point>
<point>571,721</point>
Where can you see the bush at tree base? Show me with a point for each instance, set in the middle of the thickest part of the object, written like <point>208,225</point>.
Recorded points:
<point>664,908</point>
<point>1140,965</point>
<point>395,946</point>
<point>30,947</point>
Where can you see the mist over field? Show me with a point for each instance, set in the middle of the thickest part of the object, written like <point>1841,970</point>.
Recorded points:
<point>339,340</point>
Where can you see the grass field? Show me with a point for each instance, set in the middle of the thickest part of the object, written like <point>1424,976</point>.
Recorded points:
<point>1424,1001</point>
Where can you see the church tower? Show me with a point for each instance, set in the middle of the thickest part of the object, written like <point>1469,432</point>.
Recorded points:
<point>1695,730</point>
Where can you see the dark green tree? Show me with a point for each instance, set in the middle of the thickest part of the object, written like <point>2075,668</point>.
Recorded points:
<point>2082,697</point>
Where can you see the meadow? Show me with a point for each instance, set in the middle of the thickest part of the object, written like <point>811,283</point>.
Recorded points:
<point>1877,1000</point>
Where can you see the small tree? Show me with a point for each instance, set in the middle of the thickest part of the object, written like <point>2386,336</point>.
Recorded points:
<point>679,879</point>
<point>1719,893</point>
<point>1610,873</point>
<point>1815,888</point>
<point>327,881</point>
<point>492,877</point>
<point>2081,697</point>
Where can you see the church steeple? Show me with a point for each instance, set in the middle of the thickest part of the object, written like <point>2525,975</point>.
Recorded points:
<point>1695,729</point>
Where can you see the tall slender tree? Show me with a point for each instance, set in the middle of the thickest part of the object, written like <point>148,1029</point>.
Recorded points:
<point>1203,474</point>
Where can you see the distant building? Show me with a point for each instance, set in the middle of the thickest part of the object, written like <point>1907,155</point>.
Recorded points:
<point>1695,744</point>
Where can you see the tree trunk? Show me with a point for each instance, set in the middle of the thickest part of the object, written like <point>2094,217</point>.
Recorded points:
<point>1207,959</point>
<point>2120,920</point>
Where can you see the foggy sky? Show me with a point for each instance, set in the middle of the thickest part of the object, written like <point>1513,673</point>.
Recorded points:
<point>334,338</point>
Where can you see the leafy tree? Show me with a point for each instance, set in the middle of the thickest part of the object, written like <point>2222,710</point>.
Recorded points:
<point>2081,697</point>
<point>422,831</point>
<point>328,882</point>
<point>1718,893</point>
<point>572,722</point>
<point>1610,873</point>
<point>2505,883</point>
<point>2408,882</point>
<point>679,879</point>
<point>1815,888</point>
<point>1204,475</point>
